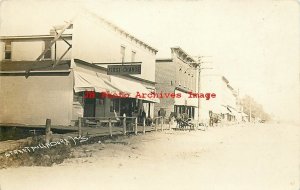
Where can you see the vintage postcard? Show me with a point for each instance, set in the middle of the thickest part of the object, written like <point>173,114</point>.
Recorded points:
<point>158,94</point>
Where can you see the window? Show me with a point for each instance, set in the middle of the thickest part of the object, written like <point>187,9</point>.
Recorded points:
<point>7,51</point>
<point>189,81</point>
<point>133,53</point>
<point>78,97</point>
<point>122,53</point>
<point>114,105</point>
<point>179,78</point>
<point>48,53</point>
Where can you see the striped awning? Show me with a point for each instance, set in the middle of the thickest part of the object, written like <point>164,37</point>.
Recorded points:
<point>132,87</point>
<point>91,82</point>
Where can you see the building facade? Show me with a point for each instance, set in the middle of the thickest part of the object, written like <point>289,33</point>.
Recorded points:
<point>62,75</point>
<point>226,97</point>
<point>177,75</point>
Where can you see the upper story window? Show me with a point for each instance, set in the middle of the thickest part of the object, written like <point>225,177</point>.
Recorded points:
<point>133,53</point>
<point>48,53</point>
<point>122,53</point>
<point>7,51</point>
<point>178,77</point>
<point>189,81</point>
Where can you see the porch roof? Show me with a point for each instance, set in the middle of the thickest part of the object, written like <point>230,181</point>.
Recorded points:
<point>45,65</point>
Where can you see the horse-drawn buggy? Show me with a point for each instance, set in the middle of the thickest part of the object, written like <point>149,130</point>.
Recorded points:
<point>214,118</point>
<point>184,122</point>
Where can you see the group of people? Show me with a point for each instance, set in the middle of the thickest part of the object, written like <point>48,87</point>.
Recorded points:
<point>182,120</point>
<point>178,117</point>
<point>141,115</point>
<point>214,118</point>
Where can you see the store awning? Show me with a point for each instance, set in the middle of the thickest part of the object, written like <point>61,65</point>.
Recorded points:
<point>229,109</point>
<point>224,109</point>
<point>244,115</point>
<point>133,88</point>
<point>192,102</point>
<point>91,82</point>
<point>184,100</point>
<point>234,112</point>
<point>219,109</point>
<point>95,82</point>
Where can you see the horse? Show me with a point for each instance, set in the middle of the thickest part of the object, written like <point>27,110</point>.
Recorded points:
<point>214,118</point>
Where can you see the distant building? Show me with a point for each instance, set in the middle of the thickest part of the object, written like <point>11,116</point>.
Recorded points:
<point>54,88</point>
<point>226,97</point>
<point>177,75</point>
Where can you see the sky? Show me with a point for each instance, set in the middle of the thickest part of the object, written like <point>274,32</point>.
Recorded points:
<point>253,43</point>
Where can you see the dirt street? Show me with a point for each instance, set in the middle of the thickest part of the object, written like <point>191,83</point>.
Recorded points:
<point>252,157</point>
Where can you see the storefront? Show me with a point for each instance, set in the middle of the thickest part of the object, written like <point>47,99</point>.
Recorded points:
<point>99,95</point>
<point>184,104</point>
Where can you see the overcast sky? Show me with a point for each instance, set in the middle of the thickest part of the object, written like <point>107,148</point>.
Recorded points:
<point>254,43</point>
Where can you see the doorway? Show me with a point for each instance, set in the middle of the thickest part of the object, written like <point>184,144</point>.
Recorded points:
<point>89,107</point>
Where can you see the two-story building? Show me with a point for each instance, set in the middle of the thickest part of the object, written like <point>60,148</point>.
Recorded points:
<point>177,75</point>
<point>62,74</point>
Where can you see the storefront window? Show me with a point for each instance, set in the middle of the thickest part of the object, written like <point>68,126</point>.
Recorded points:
<point>114,105</point>
<point>78,97</point>
<point>185,109</point>
<point>7,54</point>
<point>48,53</point>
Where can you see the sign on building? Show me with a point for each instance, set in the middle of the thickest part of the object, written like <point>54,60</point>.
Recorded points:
<point>123,69</point>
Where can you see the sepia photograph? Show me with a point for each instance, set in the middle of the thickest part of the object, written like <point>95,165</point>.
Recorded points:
<point>150,94</point>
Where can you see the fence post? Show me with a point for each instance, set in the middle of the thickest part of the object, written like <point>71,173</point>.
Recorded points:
<point>135,126</point>
<point>80,122</point>
<point>161,123</point>
<point>110,127</point>
<point>156,123</point>
<point>144,125</point>
<point>48,130</point>
<point>124,125</point>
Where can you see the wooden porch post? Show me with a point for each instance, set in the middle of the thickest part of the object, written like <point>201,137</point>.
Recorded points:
<point>124,125</point>
<point>48,130</point>
<point>110,127</point>
<point>144,125</point>
<point>80,120</point>
<point>135,128</point>
<point>161,123</point>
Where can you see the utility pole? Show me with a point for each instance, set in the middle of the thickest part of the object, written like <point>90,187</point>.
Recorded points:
<point>199,67</point>
<point>199,88</point>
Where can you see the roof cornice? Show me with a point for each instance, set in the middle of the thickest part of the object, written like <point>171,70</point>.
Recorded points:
<point>122,31</point>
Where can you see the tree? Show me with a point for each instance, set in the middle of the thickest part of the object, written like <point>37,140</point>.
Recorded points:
<point>248,103</point>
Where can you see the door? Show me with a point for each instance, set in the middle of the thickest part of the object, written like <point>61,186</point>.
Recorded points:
<point>89,107</point>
